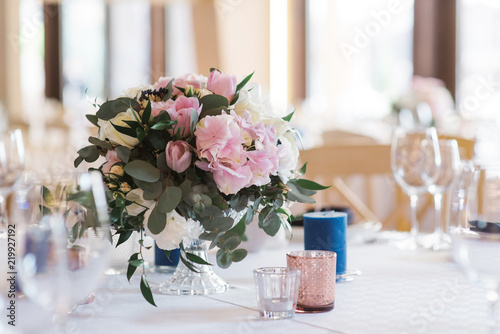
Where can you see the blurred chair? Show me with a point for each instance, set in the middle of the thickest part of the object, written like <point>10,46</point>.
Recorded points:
<point>331,164</point>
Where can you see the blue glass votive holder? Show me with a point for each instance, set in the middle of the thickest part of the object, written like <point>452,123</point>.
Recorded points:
<point>326,230</point>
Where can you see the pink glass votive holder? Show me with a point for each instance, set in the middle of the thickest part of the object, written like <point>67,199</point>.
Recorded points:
<point>317,283</point>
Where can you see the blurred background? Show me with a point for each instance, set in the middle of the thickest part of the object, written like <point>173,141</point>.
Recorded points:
<point>344,66</point>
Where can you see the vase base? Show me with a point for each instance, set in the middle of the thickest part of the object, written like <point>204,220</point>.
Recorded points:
<point>194,284</point>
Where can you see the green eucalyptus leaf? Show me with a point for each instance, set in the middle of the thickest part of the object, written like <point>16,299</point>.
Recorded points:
<point>146,290</point>
<point>157,221</point>
<point>240,227</point>
<point>78,161</point>
<point>142,170</point>
<point>123,153</point>
<point>272,224</point>
<point>169,200</point>
<point>185,188</point>
<point>89,153</point>
<point>212,112</point>
<point>223,259</point>
<point>110,109</point>
<point>101,143</point>
<point>93,119</point>
<point>151,190</point>
<point>232,242</point>
<point>238,254</point>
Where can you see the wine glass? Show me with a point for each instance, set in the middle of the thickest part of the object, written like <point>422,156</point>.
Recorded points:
<point>64,246</point>
<point>450,164</point>
<point>11,166</point>
<point>415,161</point>
<point>476,239</point>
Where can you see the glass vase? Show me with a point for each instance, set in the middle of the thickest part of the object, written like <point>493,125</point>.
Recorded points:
<point>203,281</point>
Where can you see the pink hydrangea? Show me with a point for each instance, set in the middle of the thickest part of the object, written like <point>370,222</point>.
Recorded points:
<point>224,145</point>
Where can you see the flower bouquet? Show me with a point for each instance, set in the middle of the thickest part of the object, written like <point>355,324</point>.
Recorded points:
<point>184,154</point>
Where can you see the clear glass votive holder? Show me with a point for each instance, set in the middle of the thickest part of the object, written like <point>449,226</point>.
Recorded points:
<point>277,291</point>
<point>317,284</point>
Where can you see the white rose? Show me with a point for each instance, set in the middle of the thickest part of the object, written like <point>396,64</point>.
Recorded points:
<point>132,92</point>
<point>177,230</point>
<point>140,204</point>
<point>288,156</point>
<point>107,131</point>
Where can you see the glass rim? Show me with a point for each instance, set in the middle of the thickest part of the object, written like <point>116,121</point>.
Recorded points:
<point>312,254</point>
<point>280,271</point>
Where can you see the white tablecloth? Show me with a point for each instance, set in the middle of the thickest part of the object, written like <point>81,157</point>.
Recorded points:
<point>398,292</point>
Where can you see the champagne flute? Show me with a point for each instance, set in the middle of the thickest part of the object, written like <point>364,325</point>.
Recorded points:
<point>415,161</point>
<point>476,239</point>
<point>11,166</point>
<point>450,164</point>
<point>63,248</point>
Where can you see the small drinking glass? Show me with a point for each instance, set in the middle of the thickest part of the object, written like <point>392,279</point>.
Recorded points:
<point>317,285</point>
<point>277,291</point>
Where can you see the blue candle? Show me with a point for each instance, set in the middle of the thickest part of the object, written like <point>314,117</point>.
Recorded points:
<point>161,258</point>
<point>327,231</point>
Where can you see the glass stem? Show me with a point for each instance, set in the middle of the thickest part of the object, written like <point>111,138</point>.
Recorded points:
<point>493,297</point>
<point>3,215</point>
<point>413,216</point>
<point>438,228</point>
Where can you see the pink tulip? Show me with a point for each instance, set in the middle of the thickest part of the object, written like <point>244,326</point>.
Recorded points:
<point>181,111</point>
<point>156,107</point>
<point>222,84</point>
<point>178,155</point>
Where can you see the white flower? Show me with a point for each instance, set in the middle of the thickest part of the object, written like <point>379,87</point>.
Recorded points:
<point>176,230</point>
<point>260,110</point>
<point>252,102</point>
<point>107,131</point>
<point>288,155</point>
<point>134,91</point>
<point>140,204</point>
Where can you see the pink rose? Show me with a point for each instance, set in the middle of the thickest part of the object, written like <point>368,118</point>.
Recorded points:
<point>178,155</point>
<point>162,82</point>
<point>181,111</point>
<point>222,84</point>
<point>156,107</point>
<point>111,159</point>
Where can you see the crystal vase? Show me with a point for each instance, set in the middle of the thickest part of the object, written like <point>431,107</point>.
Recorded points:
<point>187,282</point>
